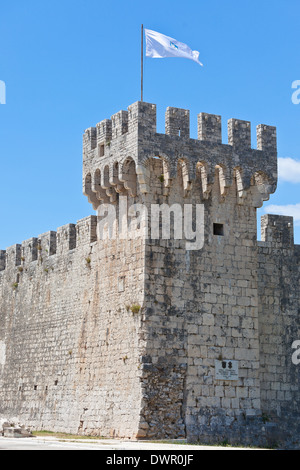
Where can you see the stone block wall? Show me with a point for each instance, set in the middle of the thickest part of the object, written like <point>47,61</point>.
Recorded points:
<point>122,336</point>
<point>202,306</point>
<point>70,346</point>
<point>279,325</point>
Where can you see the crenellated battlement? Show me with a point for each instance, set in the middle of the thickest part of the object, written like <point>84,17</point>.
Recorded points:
<point>178,122</point>
<point>67,238</point>
<point>278,230</point>
<point>210,128</point>
<point>13,255</point>
<point>141,117</point>
<point>30,250</point>
<point>131,136</point>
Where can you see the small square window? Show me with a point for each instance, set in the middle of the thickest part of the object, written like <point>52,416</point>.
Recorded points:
<point>219,230</point>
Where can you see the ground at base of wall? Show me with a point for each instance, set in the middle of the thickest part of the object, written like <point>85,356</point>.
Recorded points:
<point>41,441</point>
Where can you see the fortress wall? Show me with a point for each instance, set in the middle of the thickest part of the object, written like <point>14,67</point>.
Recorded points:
<point>123,337</point>
<point>279,322</point>
<point>69,344</point>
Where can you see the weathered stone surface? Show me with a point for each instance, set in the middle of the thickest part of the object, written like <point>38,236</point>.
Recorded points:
<point>120,337</point>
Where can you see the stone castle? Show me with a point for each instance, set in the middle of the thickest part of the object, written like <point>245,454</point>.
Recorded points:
<point>142,338</point>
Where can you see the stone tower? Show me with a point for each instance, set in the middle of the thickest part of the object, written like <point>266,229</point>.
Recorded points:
<point>110,328</point>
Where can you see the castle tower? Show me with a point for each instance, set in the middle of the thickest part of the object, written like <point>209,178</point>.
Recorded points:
<point>200,298</point>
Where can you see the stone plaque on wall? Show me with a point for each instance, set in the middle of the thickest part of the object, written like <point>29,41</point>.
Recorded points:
<point>226,370</point>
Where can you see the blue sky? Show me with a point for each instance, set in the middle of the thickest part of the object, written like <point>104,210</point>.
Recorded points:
<point>70,64</point>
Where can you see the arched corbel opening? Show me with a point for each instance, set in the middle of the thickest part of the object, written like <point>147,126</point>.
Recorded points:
<point>238,176</point>
<point>128,176</point>
<point>105,182</point>
<point>183,174</point>
<point>202,173</point>
<point>97,186</point>
<point>224,178</point>
<point>115,180</point>
<point>154,164</point>
<point>87,191</point>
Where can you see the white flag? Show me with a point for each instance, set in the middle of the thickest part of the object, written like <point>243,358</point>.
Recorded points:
<point>159,46</point>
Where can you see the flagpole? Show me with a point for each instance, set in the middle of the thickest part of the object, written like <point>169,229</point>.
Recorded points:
<point>142,63</point>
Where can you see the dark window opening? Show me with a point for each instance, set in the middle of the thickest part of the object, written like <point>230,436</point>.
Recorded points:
<point>102,150</point>
<point>219,230</point>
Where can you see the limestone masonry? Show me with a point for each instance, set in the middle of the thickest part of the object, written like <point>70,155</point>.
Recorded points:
<point>142,338</point>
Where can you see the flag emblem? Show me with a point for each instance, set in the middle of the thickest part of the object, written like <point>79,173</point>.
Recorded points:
<point>173,45</point>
